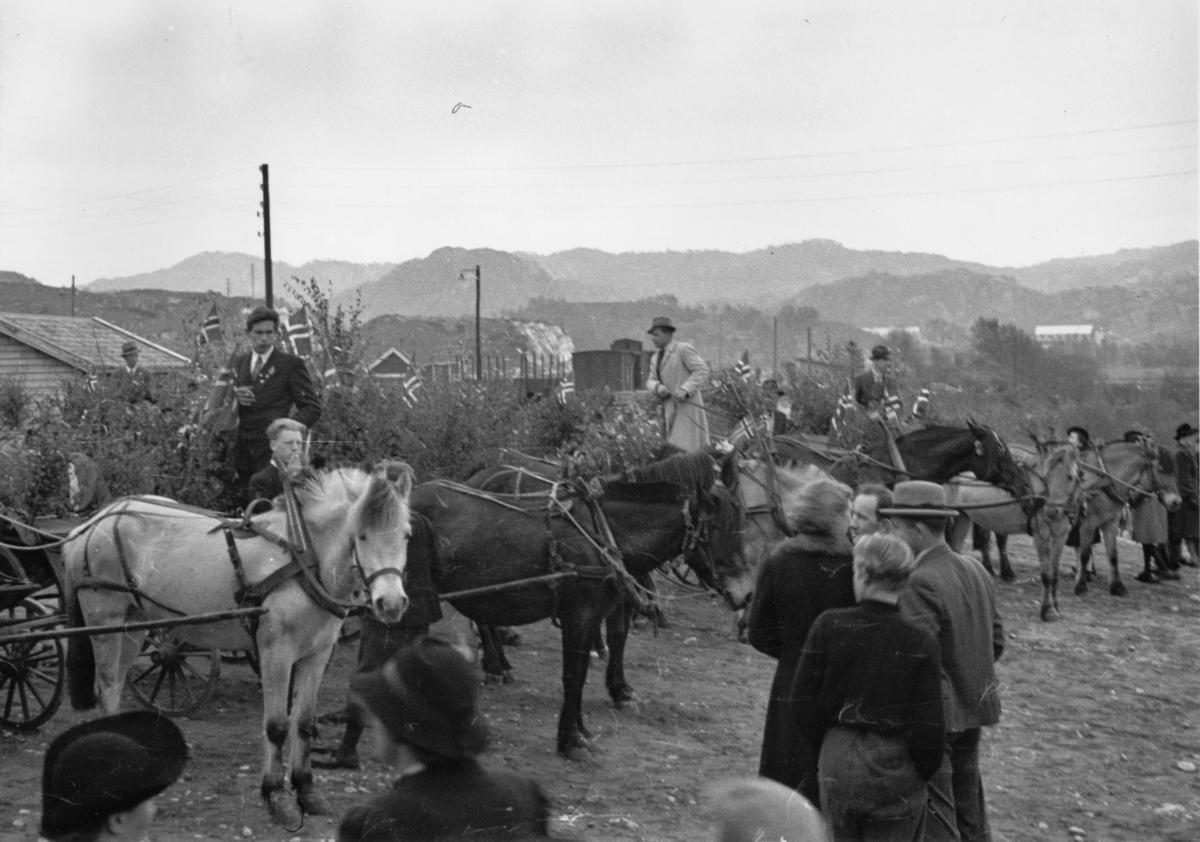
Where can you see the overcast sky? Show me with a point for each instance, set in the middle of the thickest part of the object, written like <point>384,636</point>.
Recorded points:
<point>1008,133</point>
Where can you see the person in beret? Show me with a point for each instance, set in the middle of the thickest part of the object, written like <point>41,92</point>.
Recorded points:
<point>868,693</point>
<point>677,374</point>
<point>100,779</point>
<point>131,379</point>
<point>1184,524</point>
<point>759,810</point>
<point>268,383</point>
<point>421,708</point>
<point>953,599</point>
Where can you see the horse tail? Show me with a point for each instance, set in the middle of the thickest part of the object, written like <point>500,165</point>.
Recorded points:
<point>81,659</point>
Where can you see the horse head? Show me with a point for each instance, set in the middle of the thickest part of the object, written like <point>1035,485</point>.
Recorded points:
<point>1058,472</point>
<point>362,519</point>
<point>714,547</point>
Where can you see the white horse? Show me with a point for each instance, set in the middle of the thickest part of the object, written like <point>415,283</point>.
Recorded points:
<point>1053,479</point>
<point>150,558</point>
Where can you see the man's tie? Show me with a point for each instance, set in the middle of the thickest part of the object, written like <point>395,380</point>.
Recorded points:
<point>257,367</point>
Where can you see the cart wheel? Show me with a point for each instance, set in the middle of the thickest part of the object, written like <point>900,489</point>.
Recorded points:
<point>31,674</point>
<point>172,677</point>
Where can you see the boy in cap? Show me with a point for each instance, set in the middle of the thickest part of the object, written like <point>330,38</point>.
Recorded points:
<point>99,779</point>
<point>954,599</point>
<point>677,374</point>
<point>131,378</point>
<point>421,707</point>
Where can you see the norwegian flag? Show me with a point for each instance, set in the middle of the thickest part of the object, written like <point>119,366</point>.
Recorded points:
<point>845,404</point>
<point>742,368</point>
<point>300,333</point>
<point>210,331</point>
<point>410,384</point>
<point>565,390</point>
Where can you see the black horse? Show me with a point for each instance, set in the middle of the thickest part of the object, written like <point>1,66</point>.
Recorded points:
<point>564,565</point>
<point>935,454</point>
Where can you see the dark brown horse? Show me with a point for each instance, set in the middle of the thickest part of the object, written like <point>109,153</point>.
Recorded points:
<point>558,564</point>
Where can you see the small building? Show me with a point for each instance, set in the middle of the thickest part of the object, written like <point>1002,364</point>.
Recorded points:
<point>914,332</point>
<point>392,365</point>
<point>44,352</point>
<point>1068,334</point>
<point>625,367</point>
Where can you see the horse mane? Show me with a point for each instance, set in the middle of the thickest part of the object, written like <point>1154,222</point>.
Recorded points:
<point>935,433</point>
<point>687,469</point>
<point>383,508</point>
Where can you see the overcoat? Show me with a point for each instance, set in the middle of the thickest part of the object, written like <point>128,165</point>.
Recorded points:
<point>458,801</point>
<point>1186,472</point>
<point>1148,521</point>
<point>953,598</point>
<point>868,390</point>
<point>801,577</point>
<point>678,365</point>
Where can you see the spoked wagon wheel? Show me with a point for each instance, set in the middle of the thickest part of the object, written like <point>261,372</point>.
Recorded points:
<point>173,677</point>
<point>31,674</point>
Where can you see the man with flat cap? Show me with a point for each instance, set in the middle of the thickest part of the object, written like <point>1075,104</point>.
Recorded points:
<point>100,779</point>
<point>875,389</point>
<point>952,598</point>
<point>131,379</point>
<point>677,374</point>
<point>269,383</point>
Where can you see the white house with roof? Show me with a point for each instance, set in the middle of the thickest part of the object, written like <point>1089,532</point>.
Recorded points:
<point>1068,334</point>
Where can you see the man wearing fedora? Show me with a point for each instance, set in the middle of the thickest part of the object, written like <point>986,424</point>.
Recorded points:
<point>875,389</point>
<point>953,598</point>
<point>268,383</point>
<point>1184,524</point>
<point>100,779</point>
<point>677,374</point>
<point>421,708</point>
<point>131,379</point>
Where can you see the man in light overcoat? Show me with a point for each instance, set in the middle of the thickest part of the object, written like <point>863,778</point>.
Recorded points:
<point>677,374</point>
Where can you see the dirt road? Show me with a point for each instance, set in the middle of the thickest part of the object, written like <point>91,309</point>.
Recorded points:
<point>1101,711</point>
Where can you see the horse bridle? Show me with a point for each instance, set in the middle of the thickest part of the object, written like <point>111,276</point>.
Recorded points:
<point>1136,491</point>
<point>697,543</point>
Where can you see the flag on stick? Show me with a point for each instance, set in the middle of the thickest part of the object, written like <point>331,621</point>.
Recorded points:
<point>210,331</point>
<point>566,389</point>
<point>410,384</point>
<point>742,368</point>
<point>300,333</point>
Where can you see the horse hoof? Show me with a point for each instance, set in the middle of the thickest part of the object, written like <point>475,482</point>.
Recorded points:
<point>314,804</point>
<point>577,753</point>
<point>1117,588</point>
<point>1147,577</point>
<point>1080,588</point>
<point>491,678</point>
<point>621,696</point>
<point>284,809</point>
<point>508,677</point>
<point>1049,614</point>
<point>1008,577</point>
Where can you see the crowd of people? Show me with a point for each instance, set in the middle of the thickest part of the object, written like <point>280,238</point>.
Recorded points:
<point>885,643</point>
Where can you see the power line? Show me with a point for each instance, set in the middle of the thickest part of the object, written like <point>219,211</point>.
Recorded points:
<point>119,195</point>
<point>108,213</point>
<point>712,161</point>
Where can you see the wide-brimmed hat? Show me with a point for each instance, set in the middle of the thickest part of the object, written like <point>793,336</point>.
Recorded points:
<point>108,766</point>
<point>129,348</point>
<point>425,696</point>
<point>881,352</point>
<point>1185,430</point>
<point>663,322</point>
<point>918,498</point>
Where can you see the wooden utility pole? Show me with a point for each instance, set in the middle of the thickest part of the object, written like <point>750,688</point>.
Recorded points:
<point>775,347</point>
<point>268,291</point>
<point>810,350</point>
<point>72,295</point>
<point>478,329</point>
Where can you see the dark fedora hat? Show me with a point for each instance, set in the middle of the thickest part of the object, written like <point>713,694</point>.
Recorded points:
<point>425,696</point>
<point>881,352</point>
<point>663,322</point>
<point>261,314</point>
<point>129,348</point>
<point>107,766</point>
<point>1185,430</point>
<point>918,498</point>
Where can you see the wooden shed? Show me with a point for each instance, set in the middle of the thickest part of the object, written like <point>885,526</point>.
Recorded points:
<point>42,352</point>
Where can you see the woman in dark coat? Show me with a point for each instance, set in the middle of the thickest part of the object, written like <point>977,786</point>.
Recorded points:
<point>803,576</point>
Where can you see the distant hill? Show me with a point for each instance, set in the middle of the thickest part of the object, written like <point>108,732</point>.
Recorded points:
<point>1126,267</point>
<point>211,269</point>
<point>435,286</point>
<point>15,278</point>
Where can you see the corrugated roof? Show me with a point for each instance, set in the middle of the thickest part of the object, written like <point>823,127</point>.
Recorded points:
<point>88,344</point>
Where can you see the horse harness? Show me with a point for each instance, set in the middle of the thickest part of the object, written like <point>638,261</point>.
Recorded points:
<point>1136,492</point>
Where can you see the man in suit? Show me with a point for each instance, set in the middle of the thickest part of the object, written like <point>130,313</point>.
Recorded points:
<point>954,599</point>
<point>268,384</point>
<point>131,379</point>
<point>677,374</point>
<point>1184,523</point>
<point>875,389</point>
